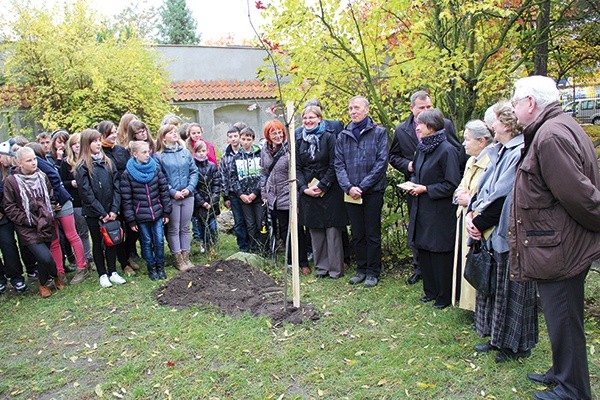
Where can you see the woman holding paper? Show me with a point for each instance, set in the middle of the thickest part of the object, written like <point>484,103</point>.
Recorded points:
<point>321,198</point>
<point>432,221</point>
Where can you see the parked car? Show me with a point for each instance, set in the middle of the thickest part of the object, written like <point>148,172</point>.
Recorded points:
<point>587,111</point>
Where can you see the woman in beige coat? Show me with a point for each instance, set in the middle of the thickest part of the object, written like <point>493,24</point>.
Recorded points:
<point>477,137</point>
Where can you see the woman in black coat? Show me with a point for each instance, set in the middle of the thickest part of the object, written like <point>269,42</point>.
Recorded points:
<point>321,198</point>
<point>433,215</point>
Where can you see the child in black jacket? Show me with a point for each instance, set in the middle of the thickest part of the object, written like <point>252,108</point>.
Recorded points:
<point>206,196</point>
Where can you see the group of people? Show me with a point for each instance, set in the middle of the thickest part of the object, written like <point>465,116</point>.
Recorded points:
<point>524,183</point>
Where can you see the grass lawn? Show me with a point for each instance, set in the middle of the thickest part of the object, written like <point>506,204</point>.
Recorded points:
<point>86,343</point>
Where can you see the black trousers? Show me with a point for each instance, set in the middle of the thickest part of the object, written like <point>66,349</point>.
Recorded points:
<point>562,302</point>
<point>436,269</point>
<point>105,257</point>
<point>45,263</point>
<point>281,218</point>
<point>365,222</point>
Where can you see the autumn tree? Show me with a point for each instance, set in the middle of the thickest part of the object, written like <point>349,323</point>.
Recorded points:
<point>465,53</point>
<point>79,74</point>
<point>137,19</point>
<point>178,25</point>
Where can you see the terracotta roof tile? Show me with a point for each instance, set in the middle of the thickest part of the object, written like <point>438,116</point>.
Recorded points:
<point>222,90</point>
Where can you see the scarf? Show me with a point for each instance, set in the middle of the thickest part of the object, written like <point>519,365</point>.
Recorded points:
<point>313,138</point>
<point>33,187</point>
<point>358,128</point>
<point>142,173</point>
<point>172,147</point>
<point>273,148</point>
<point>429,143</point>
<point>108,144</point>
<point>98,157</point>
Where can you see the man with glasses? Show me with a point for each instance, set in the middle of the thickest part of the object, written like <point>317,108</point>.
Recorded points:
<point>554,231</point>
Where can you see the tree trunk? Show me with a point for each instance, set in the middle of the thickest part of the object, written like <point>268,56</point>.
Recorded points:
<point>540,58</point>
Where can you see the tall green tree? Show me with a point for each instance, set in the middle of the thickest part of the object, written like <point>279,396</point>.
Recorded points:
<point>78,73</point>
<point>178,25</point>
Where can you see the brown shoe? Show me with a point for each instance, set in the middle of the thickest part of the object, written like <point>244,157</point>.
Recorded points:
<point>133,264</point>
<point>59,281</point>
<point>128,271</point>
<point>80,276</point>
<point>44,291</point>
<point>305,271</point>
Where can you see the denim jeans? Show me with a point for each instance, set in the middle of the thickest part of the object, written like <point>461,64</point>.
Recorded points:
<point>239,223</point>
<point>153,242</point>
<point>208,231</point>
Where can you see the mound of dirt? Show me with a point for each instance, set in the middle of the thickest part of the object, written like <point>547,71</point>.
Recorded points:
<point>234,287</point>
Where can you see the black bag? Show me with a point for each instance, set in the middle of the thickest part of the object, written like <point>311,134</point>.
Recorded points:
<point>112,233</point>
<point>480,269</point>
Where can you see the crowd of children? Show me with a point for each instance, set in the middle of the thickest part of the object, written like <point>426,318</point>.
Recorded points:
<point>63,191</point>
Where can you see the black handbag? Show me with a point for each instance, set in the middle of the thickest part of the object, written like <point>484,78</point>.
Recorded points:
<point>480,269</point>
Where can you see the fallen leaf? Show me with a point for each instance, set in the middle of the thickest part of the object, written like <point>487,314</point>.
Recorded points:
<point>424,385</point>
<point>98,390</point>
<point>117,395</point>
<point>170,364</point>
<point>190,284</point>
<point>320,393</point>
<point>382,382</point>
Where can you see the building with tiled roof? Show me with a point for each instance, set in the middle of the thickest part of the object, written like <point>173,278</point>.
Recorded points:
<point>218,86</point>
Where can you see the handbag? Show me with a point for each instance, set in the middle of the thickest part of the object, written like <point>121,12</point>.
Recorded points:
<point>112,232</point>
<point>480,269</point>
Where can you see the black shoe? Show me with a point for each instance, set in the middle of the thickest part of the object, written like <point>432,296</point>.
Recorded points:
<point>160,272</point>
<point>34,276</point>
<point>19,285</point>
<point>414,278</point>
<point>70,268</point>
<point>438,306</point>
<point>371,281</point>
<point>506,355</point>
<point>546,395</point>
<point>322,276</point>
<point>152,273</point>
<point>426,299</point>
<point>358,278</point>
<point>485,347</point>
<point>2,286</point>
<point>540,378</point>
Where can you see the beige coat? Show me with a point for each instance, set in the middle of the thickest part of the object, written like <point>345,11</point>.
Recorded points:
<point>470,183</point>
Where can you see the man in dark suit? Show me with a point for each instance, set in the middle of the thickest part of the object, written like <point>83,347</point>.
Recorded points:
<point>403,150</point>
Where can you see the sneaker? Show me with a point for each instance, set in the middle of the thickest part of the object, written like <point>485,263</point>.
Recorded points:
<point>80,276</point>
<point>116,278</point>
<point>19,286</point>
<point>104,281</point>
<point>371,281</point>
<point>33,276</point>
<point>358,278</point>
<point>2,286</point>
<point>69,268</point>
<point>91,265</point>
<point>202,249</point>
<point>128,271</point>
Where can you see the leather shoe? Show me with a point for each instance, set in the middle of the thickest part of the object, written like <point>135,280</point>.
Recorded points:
<point>546,395</point>
<point>440,306</point>
<point>485,347</point>
<point>371,281</point>
<point>426,299</point>
<point>414,278</point>
<point>506,355</point>
<point>358,278</point>
<point>540,378</point>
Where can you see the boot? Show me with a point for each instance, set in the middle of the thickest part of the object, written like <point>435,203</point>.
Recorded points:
<point>135,266</point>
<point>180,264</point>
<point>186,259</point>
<point>44,290</point>
<point>152,272</point>
<point>59,281</point>
<point>160,272</point>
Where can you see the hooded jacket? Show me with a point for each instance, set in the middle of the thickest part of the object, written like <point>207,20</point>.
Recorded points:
<point>244,177</point>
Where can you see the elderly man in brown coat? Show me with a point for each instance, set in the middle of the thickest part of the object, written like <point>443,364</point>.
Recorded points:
<point>554,231</point>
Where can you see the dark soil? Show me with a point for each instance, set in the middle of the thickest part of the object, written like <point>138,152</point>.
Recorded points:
<point>235,287</point>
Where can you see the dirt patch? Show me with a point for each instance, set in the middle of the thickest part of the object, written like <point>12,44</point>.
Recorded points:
<point>235,287</point>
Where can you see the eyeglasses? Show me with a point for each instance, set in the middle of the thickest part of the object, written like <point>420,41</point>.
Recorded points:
<point>514,102</point>
<point>276,133</point>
